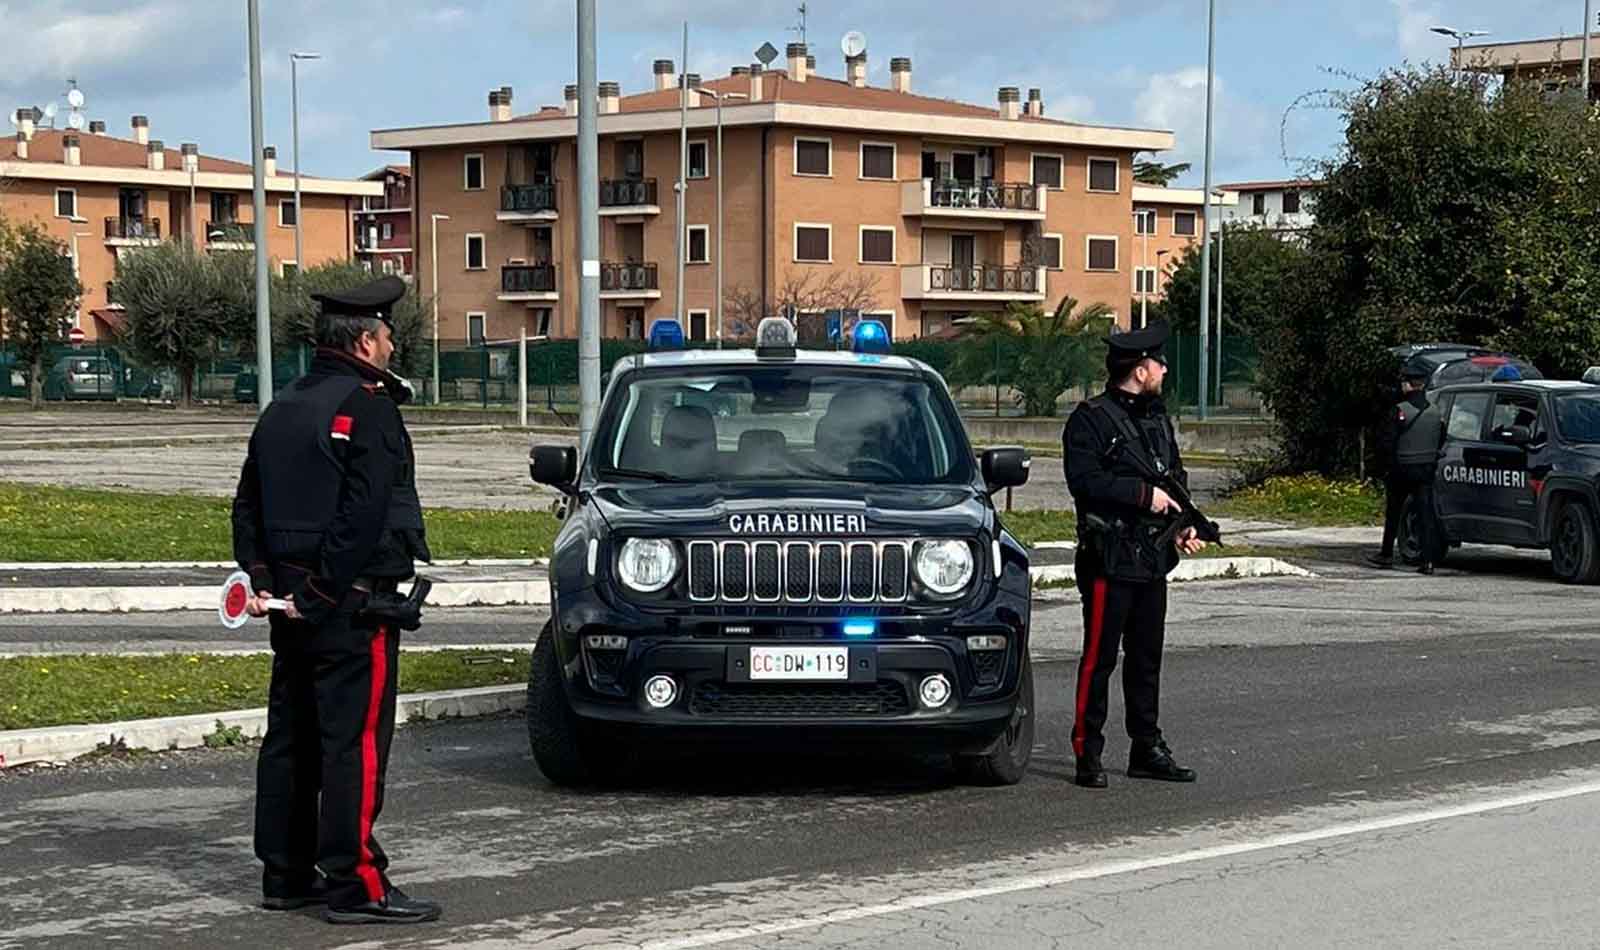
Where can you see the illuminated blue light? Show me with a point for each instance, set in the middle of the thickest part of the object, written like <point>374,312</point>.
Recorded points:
<point>871,336</point>
<point>666,334</point>
<point>860,628</point>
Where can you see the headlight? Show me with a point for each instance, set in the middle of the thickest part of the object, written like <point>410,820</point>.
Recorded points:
<point>647,564</point>
<point>944,567</point>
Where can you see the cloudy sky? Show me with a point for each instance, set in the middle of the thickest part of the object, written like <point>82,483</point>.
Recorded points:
<point>407,62</point>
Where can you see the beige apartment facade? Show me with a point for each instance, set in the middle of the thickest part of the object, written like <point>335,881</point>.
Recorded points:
<point>925,210</point>
<point>103,197</point>
<point>1167,223</point>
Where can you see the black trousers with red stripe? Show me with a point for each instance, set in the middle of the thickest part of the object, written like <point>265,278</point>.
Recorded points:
<point>1132,617</point>
<point>320,774</point>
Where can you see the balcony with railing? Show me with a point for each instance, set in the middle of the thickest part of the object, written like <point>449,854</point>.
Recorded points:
<point>528,202</point>
<point>628,196</point>
<point>230,235</point>
<point>1013,201</point>
<point>133,231</point>
<point>528,282</point>
<point>993,283</point>
<point>629,279</point>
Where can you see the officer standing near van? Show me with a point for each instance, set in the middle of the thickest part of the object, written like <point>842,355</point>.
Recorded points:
<point>1420,432</point>
<point>327,514</point>
<point>1121,566</point>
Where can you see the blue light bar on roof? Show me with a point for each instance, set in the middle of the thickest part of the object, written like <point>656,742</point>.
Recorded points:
<point>871,336</point>
<point>666,334</point>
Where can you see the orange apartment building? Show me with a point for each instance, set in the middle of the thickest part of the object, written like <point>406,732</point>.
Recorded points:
<point>943,208</point>
<point>103,196</point>
<point>1166,223</point>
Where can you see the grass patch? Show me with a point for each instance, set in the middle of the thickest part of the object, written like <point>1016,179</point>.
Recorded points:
<point>1305,500</point>
<point>1031,527</point>
<point>56,690</point>
<point>47,523</point>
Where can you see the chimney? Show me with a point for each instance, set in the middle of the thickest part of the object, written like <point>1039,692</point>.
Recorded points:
<point>900,74</point>
<point>1035,106</point>
<point>610,97</point>
<point>855,69</point>
<point>757,80</point>
<point>691,81</point>
<point>22,147</point>
<point>155,157</point>
<point>666,75</point>
<point>1010,102</point>
<point>141,129</point>
<point>739,71</point>
<point>499,105</point>
<point>25,120</point>
<point>97,127</point>
<point>191,157</point>
<point>797,62</point>
<point>71,153</point>
<point>571,95</point>
<point>269,158</point>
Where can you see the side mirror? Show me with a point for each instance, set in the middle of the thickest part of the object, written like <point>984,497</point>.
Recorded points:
<point>1005,468</point>
<point>1514,435</point>
<point>554,465</point>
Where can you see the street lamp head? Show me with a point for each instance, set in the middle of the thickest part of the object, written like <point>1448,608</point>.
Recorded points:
<point>440,217</point>
<point>305,55</point>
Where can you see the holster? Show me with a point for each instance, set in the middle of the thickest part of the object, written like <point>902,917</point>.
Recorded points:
<point>391,608</point>
<point>1126,551</point>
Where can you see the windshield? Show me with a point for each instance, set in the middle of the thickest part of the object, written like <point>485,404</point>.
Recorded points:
<point>763,422</point>
<point>1578,416</point>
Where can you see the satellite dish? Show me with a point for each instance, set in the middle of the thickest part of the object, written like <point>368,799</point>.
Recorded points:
<point>13,117</point>
<point>853,44</point>
<point>75,98</point>
<point>75,120</point>
<point>50,110</point>
<point>767,53</point>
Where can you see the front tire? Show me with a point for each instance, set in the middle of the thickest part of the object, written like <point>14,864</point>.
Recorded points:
<point>568,751</point>
<point>1408,540</point>
<point>1007,761</point>
<point>1575,545</point>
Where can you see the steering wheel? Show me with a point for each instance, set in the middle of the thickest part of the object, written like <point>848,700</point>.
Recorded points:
<point>893,471</point>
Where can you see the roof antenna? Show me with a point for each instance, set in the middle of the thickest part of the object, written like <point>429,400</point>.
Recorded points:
<point>800,27</point>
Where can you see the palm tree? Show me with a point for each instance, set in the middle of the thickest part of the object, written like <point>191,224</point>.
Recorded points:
<point>1155,173</point>
<point>1041,355</point>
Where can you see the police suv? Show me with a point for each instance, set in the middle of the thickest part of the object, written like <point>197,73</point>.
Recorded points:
<point>1520,465</point>
<point>785,547</point>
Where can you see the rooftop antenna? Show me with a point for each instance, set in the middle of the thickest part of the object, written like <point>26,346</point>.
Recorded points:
<point>800,27</point>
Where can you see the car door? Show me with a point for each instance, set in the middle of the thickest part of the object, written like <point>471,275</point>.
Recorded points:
<point>1511,504</point>
<point>1456,493</point>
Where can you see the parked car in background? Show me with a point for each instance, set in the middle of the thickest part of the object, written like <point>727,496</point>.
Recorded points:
<point>1449,364</point>
<point>81,377</point>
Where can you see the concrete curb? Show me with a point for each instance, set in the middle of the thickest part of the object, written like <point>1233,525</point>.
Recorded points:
<point>1196,569</point>
<point>64,743</point>
<point>46,600</point>
<point>18,567</point>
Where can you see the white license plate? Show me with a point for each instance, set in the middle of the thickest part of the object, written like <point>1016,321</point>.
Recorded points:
<point>799,663</point>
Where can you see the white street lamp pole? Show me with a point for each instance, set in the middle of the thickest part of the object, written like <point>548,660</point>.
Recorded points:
<point>433,249</point>
<point>719,96</point>
<point>294,108</point>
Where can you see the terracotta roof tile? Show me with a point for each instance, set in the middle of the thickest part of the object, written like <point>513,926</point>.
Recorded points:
<point>105,150</point>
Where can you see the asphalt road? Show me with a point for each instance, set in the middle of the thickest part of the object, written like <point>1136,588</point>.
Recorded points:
<point>1384,761</point>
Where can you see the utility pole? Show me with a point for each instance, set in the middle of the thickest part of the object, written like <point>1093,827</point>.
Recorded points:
<point>263,304</point>
<point>294,108</point>
<point>1588,24</point>
<point>588,232</point>
<point>1205,249</point>
<point>680,187</point>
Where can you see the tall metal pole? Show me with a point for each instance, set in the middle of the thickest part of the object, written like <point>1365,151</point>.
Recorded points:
<point>1588,24</point>
<point>294,107</point>
<point>1144,295</point>
<point>433,249</point>
<point>681,185</point>
<point>1205,249</point>
<point>263,305</point>
<point>193,232</point>
<point>1222,227</point>
<point>719,222</point>
<point>588,231</point>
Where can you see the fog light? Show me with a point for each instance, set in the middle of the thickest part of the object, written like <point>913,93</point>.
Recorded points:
<point>605,641</point>
<point>935,691</point>
<point>986,642</point>
<point>660,691</point>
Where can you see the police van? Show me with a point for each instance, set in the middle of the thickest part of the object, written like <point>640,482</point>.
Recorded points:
<point>1519,465</point>
<point>786,548</point>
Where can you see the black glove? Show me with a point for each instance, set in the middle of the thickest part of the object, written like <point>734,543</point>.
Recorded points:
<point>403,612</point>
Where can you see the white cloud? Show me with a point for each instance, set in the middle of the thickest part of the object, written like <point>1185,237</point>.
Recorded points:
<point>1413,31</point>
<point>1176,101</point>
<point>46,46</point>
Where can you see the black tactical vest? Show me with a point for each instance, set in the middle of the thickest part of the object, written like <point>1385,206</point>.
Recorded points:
<point>302,468</point>
<point>1128,550</point>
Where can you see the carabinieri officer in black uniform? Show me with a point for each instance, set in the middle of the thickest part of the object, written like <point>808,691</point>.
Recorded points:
<point>327,515</point>
<point>1120,573</point>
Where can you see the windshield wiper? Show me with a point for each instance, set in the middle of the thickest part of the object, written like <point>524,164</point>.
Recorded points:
<point>659,477</point>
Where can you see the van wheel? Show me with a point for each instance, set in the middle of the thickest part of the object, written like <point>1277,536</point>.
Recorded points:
<point>568,751</point>
<point>1574,547</point>
<point>1007,762</point>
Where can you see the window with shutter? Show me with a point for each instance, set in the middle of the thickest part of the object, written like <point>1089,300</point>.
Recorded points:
<point>1047,170</point>
<point>813,157</point>
<point>812,244</point>
<point>877,246</point>
<point>1102,174</point>
<point>1102,254</point>
<point>877,161</point>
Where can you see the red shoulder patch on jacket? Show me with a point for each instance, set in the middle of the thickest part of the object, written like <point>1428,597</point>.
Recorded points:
<point>374,388</point>
<point>341,427</point>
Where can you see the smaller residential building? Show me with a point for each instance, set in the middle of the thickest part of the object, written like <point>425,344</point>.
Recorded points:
<point>1284,206</point>
<point>1166,222</point>
<point>1557,62</point>
<point>383,224</point>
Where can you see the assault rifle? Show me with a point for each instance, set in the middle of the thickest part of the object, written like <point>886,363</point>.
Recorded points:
<point>1189,516</point>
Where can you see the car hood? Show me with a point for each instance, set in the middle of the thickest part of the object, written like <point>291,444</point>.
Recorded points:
<point>797,509</point>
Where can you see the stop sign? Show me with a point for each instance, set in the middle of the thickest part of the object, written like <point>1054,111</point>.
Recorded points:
<point>75,335</point>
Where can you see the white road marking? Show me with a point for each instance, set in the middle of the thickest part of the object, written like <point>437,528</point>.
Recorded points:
<point>1051,879</point>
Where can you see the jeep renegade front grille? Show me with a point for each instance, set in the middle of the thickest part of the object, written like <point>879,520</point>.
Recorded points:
<point>799,572</point>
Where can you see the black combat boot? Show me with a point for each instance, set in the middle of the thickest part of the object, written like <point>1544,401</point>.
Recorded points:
<point>1154,760</point>
<point>1090,773</point>
<point>284,895</point>
<point>394,908</point>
